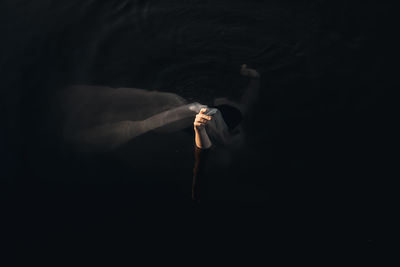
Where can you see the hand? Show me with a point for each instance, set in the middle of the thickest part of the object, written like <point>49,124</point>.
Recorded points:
<point>252,73</point>
<point>201,119</point>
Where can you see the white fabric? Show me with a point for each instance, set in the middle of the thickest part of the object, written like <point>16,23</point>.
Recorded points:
<point>104,117</point>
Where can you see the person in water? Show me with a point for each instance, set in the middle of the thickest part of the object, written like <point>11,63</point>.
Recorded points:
<point>225,118</point>
<point>98,119</point>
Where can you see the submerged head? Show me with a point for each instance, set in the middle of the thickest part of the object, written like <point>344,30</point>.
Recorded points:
<point>231,115</point>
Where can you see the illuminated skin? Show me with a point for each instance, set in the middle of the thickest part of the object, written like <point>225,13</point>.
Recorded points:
<point>202,139</point>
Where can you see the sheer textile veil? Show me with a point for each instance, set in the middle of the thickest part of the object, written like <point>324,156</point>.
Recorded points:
<point>103,118</point>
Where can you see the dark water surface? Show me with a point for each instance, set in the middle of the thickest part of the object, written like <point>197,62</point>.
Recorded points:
<point>318,137</point>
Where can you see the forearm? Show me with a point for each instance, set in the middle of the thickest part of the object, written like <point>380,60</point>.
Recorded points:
<point>201,138</point>
<point>200,156</point>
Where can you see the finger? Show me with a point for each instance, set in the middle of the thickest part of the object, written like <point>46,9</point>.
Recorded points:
<point>199,124</point>
<point>203,110</point>
<point>205,116</point>
<point>202,120</point>
<point>202,116</point>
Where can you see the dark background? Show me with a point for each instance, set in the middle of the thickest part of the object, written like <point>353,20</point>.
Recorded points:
<point>319,143</point>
